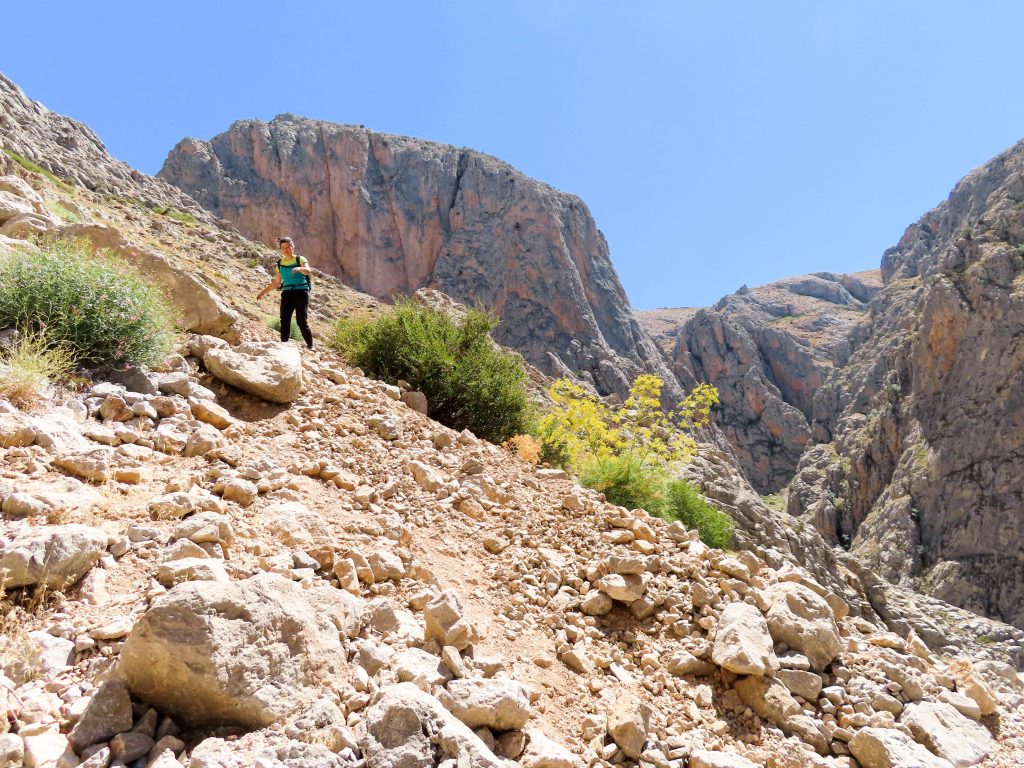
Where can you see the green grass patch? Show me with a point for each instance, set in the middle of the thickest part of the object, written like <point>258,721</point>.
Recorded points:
<point>94,305</point>
<point>28,165</point>
<point>63,213</point>
<point>174,213</point>
<point>274,323</point>
<point>470,383</point>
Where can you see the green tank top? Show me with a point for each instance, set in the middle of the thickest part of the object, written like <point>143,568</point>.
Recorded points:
<point>292,280</point>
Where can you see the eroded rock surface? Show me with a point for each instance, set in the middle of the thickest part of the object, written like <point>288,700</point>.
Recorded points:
<point>920,477</point>
<point>767,350</point>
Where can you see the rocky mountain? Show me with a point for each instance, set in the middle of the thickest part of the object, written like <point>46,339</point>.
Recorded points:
<point>71,151</point>
<point>389,215</point>
<point>253,557</point>
<point>767,350</point>
<point>920,473</point>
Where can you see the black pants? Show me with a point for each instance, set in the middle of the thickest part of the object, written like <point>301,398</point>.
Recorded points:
<point>297,302</point>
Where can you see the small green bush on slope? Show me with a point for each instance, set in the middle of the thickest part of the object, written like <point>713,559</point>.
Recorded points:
<point>274,324</point>
<point>468,381</point>
<point>95,306</point>
<point>629,483</point>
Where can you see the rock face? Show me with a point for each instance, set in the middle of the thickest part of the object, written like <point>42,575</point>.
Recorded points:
<point>389,215</point>
<point>249,653</point>
<point>767,350</point>
<point>920,476</point>
<point>70,150</point>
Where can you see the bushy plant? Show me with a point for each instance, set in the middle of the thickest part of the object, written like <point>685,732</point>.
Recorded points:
<point>629,483</point>
<point>469,382</point>
<point>689,507</point>
<point>29,365</point>
<point>274,323</point>
<point>94,305</point>
<point>629,453</point>
<point>580,427</point>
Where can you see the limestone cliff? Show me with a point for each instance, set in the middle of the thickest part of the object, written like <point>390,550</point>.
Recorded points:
<point>921,478</point>
<point>389,215</point>
<point>767,350</point>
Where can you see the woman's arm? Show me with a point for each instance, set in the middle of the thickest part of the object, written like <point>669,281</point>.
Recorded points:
<point>275,283</point>
<point>303,269</point>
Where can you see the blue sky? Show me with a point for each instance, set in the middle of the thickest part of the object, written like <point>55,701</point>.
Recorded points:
<point>716,143</point>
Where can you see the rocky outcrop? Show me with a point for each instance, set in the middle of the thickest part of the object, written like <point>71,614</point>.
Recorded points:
<point>390,214</point>
<point>921,474</point>
<point>767,350</point>
<point>70,150</point>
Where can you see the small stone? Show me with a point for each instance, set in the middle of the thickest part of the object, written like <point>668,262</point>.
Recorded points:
<point>130,746</point>
<point>628,721</point>
<point>596,603</point>
<point>109,712</point>
<point>576,659</point>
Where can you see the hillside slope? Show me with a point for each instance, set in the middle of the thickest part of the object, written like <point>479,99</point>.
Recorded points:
<point>338,581</point>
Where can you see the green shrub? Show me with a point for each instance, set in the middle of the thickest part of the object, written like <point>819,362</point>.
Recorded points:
<point>469,382</point>
<point>95,306</point>
<point>29,366</point>
<point>274,323</point>
<point>690,508</point>
<point>628,483</point>
<point>174,213</point>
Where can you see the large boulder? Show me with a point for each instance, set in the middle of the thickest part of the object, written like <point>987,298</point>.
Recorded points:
<point>270,370</point>
<point>889,748</point>
<point>492,702</point>
<point>52,556</point>
<point>803,620</point>
<point>263,750</point>
<point>742,642</point>
<point>948,733</point>
<point>707,759</point>
<point>249,653</point>
<point>628,722</point>
<point>407,728</point>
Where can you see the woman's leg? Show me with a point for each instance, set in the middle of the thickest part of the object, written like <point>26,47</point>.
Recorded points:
<point>287,308</point>
<point>301,310</point>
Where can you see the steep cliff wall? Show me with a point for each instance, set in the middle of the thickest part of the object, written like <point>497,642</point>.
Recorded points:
<point>767,349</point>
<point>390,215</point>
<point>922,478</point>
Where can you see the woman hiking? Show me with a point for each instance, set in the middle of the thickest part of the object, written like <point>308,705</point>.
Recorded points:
<point>293,279</point>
